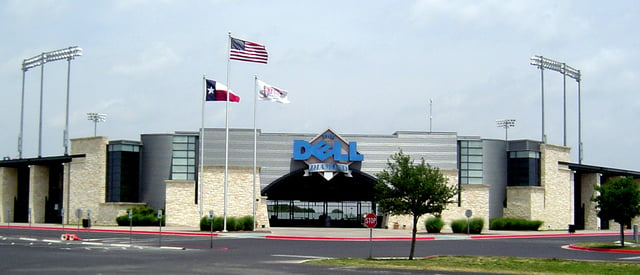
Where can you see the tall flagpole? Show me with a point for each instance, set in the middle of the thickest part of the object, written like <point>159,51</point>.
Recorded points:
<point>226,141</point>
<point>255,147</point>
<point>201,153</point>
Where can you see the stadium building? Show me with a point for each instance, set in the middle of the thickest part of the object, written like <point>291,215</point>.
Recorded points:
<point>296,179</point>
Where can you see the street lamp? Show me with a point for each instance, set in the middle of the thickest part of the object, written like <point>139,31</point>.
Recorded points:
<point>506,124</point>
<point>566,70</point>
<point>96,117</point>
<point>39,60</point>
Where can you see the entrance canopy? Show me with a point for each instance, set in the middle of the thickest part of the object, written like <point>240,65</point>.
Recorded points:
<point>313,187</point>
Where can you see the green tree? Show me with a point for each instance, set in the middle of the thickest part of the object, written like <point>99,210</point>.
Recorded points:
<point>619,200</point>
<point>406,188</point>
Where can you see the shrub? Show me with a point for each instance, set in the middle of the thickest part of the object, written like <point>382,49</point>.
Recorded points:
<point>247,223</point>
<point>434,224</point>
<point>460,226</point>
<point>514,224</point>
<point>233,223</point>
<point>141,216</point>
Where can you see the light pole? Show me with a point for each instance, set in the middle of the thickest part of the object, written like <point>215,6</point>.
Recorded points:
<point>39,60</point>
<point>96,117</point>
<point>506,124</point>
<point>566,70</point>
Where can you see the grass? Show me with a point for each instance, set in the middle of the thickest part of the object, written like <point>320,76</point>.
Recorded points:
<point>486,264</point>
<point>609,245</point>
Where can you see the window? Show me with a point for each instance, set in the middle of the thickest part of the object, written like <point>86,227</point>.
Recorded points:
<point>524,168</point>
<point>183,163</point>
<point>123,160</point>
<point>470,161</point>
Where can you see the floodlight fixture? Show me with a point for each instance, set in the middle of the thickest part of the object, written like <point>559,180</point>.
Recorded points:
<point>506,124</point>
<point>566,70</point>
<point>96,117</point>
<point>39,60</point>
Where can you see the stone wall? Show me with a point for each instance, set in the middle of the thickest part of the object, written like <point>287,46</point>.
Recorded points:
<point>589,181</point>
<point>8,191</point>
<point>557,211</point>
<point>473,197</point>
<point>86,186</point>
<point>38,190</point>
<point>181,208</point>
<point>180,197</point>
<point>552,202</point>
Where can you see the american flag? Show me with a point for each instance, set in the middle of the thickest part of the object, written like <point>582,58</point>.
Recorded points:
<point>247,51</point>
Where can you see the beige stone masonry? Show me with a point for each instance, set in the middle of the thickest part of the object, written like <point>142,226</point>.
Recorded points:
<point>473,197</point>
<point>38,190</point>
<point>180,197</point>
<point>8,191</point>
<point>552,202</point>
<point>86,186</point>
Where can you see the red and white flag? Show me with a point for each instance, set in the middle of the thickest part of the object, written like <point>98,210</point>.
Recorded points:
<point>271,93</point>
<point>217,91</point>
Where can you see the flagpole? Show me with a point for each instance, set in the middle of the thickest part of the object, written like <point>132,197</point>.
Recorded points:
<point>255,147</point>
<point>201,153</point>
<point>226,141</point>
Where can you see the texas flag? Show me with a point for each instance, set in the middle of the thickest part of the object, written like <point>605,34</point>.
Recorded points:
<point>217,91</point>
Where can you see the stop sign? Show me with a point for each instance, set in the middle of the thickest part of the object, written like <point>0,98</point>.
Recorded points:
<point>370,220</point>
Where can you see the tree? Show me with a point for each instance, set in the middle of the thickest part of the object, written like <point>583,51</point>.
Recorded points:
<point>406,188</point>
<point>619,200</point>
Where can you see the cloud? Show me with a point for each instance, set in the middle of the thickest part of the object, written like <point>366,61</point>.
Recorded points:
<point>152,60</point>
<point>543,19</point>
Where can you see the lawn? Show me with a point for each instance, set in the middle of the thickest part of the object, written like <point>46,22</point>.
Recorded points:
<point>488,264</point>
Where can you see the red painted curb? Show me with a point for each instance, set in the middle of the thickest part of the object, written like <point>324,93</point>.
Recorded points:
<point>604,249</point>
<point>307,238</point>
<point>540,235</point>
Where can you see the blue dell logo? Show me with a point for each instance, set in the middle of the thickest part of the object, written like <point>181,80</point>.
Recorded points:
<point>327,154</point>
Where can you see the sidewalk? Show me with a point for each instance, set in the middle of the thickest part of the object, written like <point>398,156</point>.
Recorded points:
<point>315,233</point>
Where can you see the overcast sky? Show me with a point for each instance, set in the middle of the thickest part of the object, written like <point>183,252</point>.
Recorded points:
<point>358,67</point>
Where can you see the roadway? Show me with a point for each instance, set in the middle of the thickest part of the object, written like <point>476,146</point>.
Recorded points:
<point>109,252</point>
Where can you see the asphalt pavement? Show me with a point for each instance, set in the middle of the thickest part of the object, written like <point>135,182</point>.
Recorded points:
<point>319,233</point>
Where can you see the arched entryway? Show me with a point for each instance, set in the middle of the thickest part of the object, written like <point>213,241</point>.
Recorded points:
<point>301,199</point>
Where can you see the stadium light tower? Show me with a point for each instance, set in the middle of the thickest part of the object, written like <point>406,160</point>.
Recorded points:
<point>506,124</point>
<point>39,60</point>
<point>566,70</point>
<point>96,117</point>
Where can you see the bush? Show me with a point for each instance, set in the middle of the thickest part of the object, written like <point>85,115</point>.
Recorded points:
<point>514,224</point>
<point>233,223</point>
<point>460,226</point>
<point>434,224</point>
<point>141,216</point>
<point>247,223</point>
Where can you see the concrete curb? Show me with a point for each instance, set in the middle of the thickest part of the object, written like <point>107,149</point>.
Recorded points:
<point>604,249</point>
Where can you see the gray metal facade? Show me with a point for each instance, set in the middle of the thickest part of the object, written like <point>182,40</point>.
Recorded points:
<point>275,150</point>
<point>156,168</point>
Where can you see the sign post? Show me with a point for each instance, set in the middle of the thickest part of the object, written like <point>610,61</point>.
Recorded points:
<point>159,227</point>
<point>468,214</point>
<point>78,216</point>
<point>62,217</point>
<point>211,225</point>
<point>130,212</point>
<point>370,220</point>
